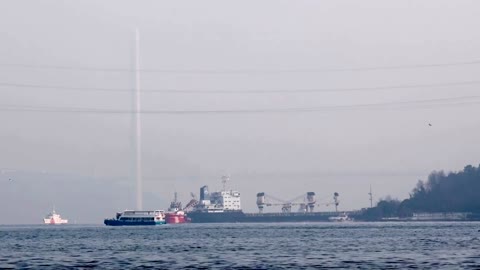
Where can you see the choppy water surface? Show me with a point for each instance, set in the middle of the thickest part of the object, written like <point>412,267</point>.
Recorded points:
<point>257,246</point>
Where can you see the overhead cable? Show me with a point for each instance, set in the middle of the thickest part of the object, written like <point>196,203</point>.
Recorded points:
<point>242,91</point>
<point>454,101</point>
<point>243,70</point>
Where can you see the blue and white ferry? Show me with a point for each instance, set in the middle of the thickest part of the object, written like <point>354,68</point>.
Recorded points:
<point>137,218</point>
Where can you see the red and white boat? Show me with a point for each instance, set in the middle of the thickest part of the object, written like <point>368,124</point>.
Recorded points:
<point>54,219</point>
<point>176,217</point>
<point>175,213</point>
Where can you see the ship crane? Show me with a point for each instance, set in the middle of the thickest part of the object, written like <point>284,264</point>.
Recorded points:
<point>192,203</point>
<point>334,202</point>
<point>305,201</point>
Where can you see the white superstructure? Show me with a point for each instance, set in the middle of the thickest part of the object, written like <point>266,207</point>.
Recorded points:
<point>230,200</point>
<point>54,219</point>
<point>225,200</point>
<point>135,216</point>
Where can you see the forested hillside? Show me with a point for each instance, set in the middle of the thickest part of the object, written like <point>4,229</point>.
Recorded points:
<point>442,192</point>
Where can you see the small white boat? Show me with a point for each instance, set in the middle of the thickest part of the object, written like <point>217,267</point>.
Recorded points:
<point>340,218</point>
<point>54,219</point>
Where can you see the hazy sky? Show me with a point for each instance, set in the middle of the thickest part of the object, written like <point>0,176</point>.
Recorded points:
<point>239,56</point>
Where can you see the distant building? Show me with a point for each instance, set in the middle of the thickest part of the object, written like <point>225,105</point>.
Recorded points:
<point>440,216</point>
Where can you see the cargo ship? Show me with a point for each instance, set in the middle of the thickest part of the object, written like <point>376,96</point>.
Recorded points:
<point>137,218</point>
<point>225,207</point>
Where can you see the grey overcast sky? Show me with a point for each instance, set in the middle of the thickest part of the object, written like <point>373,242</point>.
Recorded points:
<point>322,96</point>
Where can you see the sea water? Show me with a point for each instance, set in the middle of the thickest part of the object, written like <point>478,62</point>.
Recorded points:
<point>243,246</point>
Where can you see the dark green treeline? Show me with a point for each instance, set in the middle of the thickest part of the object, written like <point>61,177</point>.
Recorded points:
<point>452,192</point>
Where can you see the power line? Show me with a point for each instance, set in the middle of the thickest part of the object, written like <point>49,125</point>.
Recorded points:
<point>72,88</point>
<point>454,101</point>
<point>245,91</point>
<point>245,71</point>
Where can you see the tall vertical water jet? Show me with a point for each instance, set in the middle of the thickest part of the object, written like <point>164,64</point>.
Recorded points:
<point>138,125</point>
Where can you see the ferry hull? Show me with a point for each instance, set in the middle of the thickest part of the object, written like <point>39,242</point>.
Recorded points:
<point>114,222</point>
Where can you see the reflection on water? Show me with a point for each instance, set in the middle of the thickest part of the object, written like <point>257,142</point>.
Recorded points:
<point>257,246</point>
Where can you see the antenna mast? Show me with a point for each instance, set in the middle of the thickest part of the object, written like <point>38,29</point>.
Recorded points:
<point>336,201</point>
<point>225,178</point>
<point>371,197</point>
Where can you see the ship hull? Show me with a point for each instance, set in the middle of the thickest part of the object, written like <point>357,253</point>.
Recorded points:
<point>239,216</point>
<point>222,217</point>
<point>114,222</point>
<point>287,217</point>
<point>55,222</point>
<point>174,218</point>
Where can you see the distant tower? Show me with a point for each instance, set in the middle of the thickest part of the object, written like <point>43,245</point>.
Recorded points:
<point>138,124</point>
<point>371,197</point>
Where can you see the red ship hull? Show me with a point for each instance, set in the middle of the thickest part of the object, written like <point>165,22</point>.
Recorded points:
<point>176,218</point>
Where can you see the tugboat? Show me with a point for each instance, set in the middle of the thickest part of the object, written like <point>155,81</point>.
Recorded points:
<point>54,219</point>
<point>175,212</point>
<point>137,218</point>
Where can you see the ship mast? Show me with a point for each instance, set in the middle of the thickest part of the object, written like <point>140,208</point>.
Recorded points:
<point>336,201</point>
<point>371,197</point>
<point>225,178</point>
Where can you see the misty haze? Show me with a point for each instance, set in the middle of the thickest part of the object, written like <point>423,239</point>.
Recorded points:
<point>113,105</point>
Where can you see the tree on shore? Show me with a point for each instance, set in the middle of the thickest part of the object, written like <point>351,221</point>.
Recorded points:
<point>452,192</point>
<point>385,208</point>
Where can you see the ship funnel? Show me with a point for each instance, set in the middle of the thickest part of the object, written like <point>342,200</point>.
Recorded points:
<point>204,194</point>
<point>311,201</point>
<point>261,201</point>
